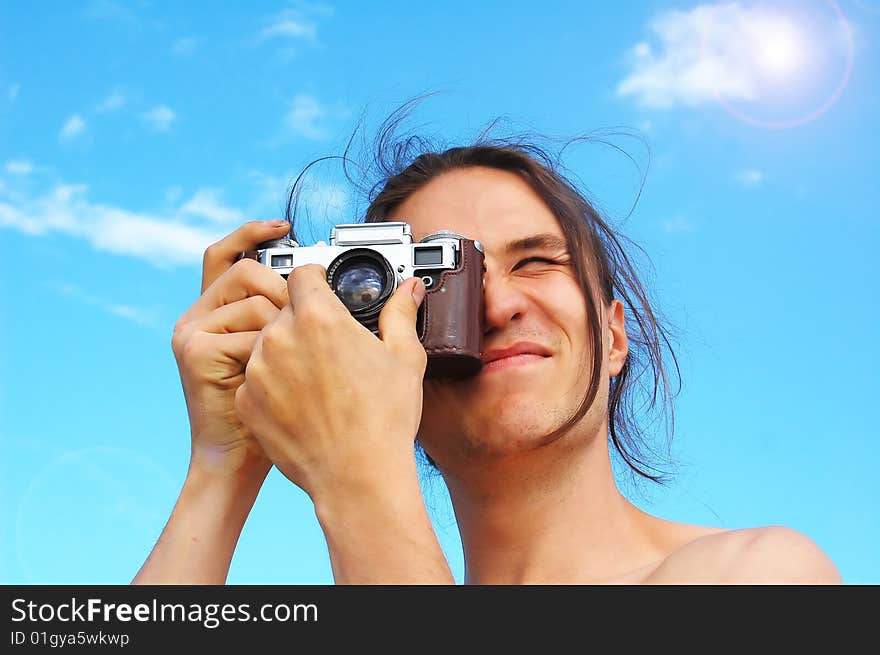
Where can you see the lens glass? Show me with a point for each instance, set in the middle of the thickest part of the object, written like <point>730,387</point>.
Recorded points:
<point>359,284</point>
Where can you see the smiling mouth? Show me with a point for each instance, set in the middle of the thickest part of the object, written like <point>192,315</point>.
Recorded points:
<point>514,361</point>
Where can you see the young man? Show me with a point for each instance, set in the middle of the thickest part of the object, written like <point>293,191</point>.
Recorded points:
<point>280,373</point>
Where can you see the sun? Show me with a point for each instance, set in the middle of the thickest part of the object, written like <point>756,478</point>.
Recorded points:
<point>778,46</point>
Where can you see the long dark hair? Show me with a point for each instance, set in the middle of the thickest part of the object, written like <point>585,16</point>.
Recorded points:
<point>401,164</point>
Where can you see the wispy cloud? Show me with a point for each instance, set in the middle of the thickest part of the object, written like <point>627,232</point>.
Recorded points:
<point>750,177</point>
<point>66,209</point>
<point>298,24</point>
<point>19,167</point>
<point>289,27</point>
<point>177,235</point>
<point>716,51</point>
<point>306,117</point>
<point>678,225</point>
<point>12,91</point>
<point>160,118</point>
<point>114,101</point>
<point>145,317</point>
<point>72,128</point>
<point>207,204</point>
<point>185,46</point>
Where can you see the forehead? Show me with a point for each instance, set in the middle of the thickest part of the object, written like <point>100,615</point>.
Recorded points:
<point>489,205</point>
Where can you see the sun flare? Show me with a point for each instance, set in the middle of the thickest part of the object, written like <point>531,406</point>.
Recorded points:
<point>778,47</point>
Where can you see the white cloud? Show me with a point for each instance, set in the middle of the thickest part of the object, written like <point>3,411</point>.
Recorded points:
<point>12,91</point>
<point>128,312</point>
<point>19,167</point>
<point>73,127</point>
<point>289,24</point>
<point>185,45</point>
<point>206,203</point>
<point>112,102</point>
<point>66,209</point>
<point>715,51</point>
<point>289,28</point>
<point>160,118</point>
<point>175,236</point>
<point>678,225</point>
<point>750,177</point>
<point>305,116</point>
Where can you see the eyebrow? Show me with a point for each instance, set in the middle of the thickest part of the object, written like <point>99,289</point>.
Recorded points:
<point>546,241</point>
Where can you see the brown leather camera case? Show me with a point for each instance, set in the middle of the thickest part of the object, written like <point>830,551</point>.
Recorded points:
<point>452,318</point>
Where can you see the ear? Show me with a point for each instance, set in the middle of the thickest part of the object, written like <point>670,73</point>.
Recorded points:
<point>617,334</point>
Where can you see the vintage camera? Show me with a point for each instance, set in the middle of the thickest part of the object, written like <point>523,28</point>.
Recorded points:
<point>366,262</point>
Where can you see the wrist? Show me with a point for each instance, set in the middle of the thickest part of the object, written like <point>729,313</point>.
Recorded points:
<point>225,486</point>
<point>236,465</point>
<point>380,533</point>
<point>394,486</point>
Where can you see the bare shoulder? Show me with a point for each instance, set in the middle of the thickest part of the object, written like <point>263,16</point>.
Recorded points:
<point>763,555</point>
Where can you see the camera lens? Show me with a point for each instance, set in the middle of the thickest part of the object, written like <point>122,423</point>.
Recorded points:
<point>363,281</point>
<point>360,285</point>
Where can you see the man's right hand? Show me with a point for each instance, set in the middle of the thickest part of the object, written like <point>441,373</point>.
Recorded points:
<point>212,343</point>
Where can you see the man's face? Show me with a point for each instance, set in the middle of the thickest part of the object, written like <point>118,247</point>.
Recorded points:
<point>533,305</point>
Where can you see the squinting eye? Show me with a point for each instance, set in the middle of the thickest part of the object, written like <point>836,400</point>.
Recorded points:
<point>542,260</point>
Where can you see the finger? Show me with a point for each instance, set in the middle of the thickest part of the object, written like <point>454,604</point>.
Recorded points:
<point>236,346</point>
<point>250,314</point>
<point>307,287</point>
<point>242,280</point>
<point>397,320</point>
<point>223,254</point>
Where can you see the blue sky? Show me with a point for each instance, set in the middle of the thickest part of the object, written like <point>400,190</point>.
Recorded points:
<point>133,135</point>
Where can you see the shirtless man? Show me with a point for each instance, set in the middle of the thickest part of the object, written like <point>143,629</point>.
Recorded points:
<point>280,373</point>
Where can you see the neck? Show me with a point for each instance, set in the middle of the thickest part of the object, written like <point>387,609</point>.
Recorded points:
<point>548,515</point>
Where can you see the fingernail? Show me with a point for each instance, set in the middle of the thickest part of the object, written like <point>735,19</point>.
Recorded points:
<point>277,223</point>
<point>418,292</point>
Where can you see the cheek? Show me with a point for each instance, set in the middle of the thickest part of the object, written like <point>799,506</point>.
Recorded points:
<point>564,309</point>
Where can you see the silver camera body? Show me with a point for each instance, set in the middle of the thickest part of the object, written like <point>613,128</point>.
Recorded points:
<point>366,262</point>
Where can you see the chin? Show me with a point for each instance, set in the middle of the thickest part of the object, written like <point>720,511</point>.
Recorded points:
<point>496,431</point>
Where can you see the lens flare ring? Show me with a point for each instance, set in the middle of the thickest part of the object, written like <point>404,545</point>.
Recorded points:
<point>810,116</point>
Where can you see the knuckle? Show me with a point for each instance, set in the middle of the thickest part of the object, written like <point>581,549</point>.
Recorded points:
<point>193,348</point>
<point>242,402</point>
<point>420,356</point>
<point>178,331</point>
<point>194,358</point>
<point>263,308</point>
<point>307,270</point>
<point>314,318</point>
<point>272,339</point>
<point>246,266</point>
<point>211,254</point>
<point>180,336</point>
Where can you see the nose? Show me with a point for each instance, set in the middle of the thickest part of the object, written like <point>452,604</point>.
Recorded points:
<point>503,303</point>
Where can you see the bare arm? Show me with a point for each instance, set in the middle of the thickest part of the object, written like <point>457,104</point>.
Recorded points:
<point>381,534</point>
<point>198,542</point>
<point>212,343</point>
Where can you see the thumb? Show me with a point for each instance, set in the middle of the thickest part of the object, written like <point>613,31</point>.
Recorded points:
<point>397,320</point>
